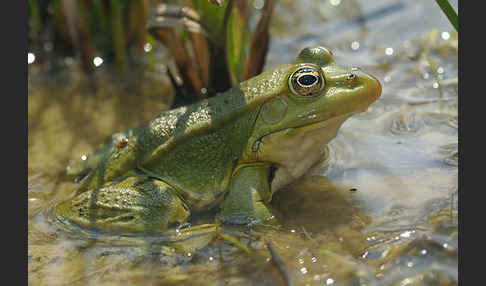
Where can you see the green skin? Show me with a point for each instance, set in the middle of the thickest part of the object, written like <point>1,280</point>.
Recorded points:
<point>233,150</point>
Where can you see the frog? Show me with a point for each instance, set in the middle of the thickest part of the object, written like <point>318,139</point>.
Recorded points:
<point>230,153</point>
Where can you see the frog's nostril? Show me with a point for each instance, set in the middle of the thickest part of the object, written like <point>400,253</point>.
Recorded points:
<point>351,76</point>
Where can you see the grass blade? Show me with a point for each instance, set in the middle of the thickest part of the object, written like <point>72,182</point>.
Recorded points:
<point>136,31</point>
<point>449,12</point>
<point>174,16</point>
<point>259,43</point>
<point>202,56</point>
<point>212,16</point>
<point>118,34</point>
<point>35,14</point>
<point>191,81</point>
<point>237,35</point>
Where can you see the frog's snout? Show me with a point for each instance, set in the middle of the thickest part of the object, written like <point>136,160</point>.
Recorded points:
<point>375,87</point>
<point>369,83</point>
<point>372,86</point>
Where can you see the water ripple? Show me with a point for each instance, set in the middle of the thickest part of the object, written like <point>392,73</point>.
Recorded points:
<point>404,124</point>
<point>451,152</point>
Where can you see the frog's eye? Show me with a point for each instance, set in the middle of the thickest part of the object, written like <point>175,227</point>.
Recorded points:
<point>306,82</point>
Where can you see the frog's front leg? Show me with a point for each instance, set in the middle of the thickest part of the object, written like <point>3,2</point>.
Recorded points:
<point>131,204</point>
<point>249,195</point>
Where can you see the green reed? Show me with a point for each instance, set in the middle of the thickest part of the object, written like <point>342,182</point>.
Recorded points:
<point>449,12</point>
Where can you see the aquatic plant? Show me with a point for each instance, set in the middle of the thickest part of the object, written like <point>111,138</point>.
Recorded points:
<point>112,30</point>
<point>211,43</point>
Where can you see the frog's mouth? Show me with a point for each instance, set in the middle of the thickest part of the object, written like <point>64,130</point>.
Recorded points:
<point>327,122</point>
<point>319,123</point>
<point>332,125</point>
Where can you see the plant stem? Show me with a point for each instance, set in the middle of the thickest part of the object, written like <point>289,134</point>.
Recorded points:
<point>35,14</point>
<point>449,12</point>
<point>118,34</point>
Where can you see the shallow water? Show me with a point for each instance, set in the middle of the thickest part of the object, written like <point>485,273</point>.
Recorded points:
<point>381,211</point>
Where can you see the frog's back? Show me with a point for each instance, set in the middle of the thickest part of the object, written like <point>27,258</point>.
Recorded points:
<point>177,125</point>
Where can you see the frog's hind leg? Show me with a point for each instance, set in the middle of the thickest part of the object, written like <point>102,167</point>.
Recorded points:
<point>248,198</point>
<point>131,204</point>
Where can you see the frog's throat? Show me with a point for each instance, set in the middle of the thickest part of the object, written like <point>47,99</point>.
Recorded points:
<point>294,150</point>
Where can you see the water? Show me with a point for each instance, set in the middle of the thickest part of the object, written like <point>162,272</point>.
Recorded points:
<point>381,211</point>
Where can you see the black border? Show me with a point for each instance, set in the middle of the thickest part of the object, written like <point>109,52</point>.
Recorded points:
<point>14,26</point>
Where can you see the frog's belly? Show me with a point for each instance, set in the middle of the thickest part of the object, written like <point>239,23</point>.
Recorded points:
<point>295,150</point>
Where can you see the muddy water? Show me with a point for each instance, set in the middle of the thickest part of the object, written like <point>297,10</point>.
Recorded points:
<point>382,210</point>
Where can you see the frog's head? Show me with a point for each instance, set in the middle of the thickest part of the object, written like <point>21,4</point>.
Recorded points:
<point>314,98</point>
<point>316,89</point>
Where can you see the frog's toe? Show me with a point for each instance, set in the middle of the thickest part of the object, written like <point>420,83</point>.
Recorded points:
<point>137,203</point>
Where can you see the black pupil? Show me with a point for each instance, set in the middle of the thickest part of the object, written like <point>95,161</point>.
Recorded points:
<point>307,79</point>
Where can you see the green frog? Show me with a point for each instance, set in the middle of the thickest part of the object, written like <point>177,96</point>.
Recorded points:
<point>232,151</point>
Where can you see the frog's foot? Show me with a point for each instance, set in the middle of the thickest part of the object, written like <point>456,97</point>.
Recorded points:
<point>133,204</point>
<point>247,200</point>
